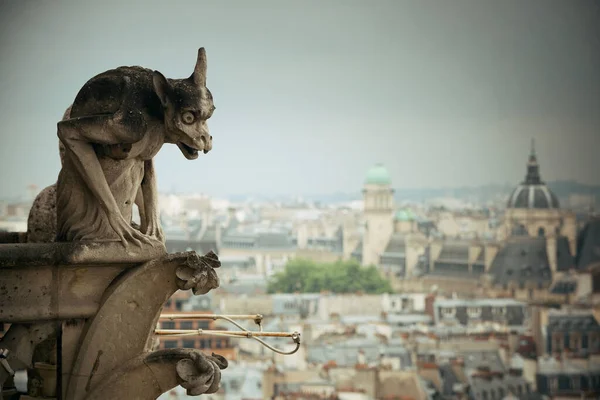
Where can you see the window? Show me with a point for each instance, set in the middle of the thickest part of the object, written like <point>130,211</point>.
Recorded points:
<point>204,343</point>
<point>170,344</point>
<point>484,395</point>
<point>575,342</point>
<point>502,392</point>
<point>168,304</point>
<point>519,390</point>
<point>553,383</point>
<point>448,312</point>
<point>593,342</point>
<point>219,344</point>
<point>167,325</point>
<point>189,344</point>
<point>203,324</point>
<point>499,310</point>
<point>541,232</point>
<point>576,383</point>
<point>178,304</point>
<point>474,312</point>
<point>186,325</point>
<point>557,342</point>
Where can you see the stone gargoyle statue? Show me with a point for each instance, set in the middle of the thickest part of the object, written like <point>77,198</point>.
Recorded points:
<point>118,122</point>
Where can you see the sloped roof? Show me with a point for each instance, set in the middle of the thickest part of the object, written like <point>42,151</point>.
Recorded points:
<point>588,245</point>
<point>522,259</point>
<point>564,259</point>
<point>396,246</point>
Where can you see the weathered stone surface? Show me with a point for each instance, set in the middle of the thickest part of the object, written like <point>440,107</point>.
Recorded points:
<point>24,255</point>
<point>118,122</point>
<point>41,224</point>
<point>160,371</point>
<point>128,315</point>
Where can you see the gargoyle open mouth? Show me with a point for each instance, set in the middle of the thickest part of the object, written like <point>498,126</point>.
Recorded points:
<point>189,152</point>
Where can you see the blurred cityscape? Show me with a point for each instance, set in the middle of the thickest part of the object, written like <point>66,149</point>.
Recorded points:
<point>490,293</point>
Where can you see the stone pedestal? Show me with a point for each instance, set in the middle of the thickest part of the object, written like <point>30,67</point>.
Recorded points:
<point>99,304</point>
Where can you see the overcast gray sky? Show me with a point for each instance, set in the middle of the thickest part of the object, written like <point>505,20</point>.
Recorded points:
<point>310,93</point>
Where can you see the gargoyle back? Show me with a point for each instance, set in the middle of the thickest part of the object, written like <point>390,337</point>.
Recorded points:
<point>126,88</point>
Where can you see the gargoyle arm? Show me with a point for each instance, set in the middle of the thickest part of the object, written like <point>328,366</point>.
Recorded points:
<point>78,135</point>
<point>139,202</point>
<point>150,202</point>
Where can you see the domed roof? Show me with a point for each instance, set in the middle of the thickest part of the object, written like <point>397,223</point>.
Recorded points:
<point>378,175</point>
<point>532,192</point>
<point>405,214</point>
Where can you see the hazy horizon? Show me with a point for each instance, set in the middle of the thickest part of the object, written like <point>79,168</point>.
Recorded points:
<point>310,95</point>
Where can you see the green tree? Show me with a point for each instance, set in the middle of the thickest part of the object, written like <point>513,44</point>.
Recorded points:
<point>306,276</point>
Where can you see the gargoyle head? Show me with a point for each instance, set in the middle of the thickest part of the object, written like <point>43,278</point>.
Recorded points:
<point>200,374</point>
<point>198,273</point>
<point>187,105</point>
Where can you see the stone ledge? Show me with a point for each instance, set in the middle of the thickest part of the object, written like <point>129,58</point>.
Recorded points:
<point>75,253</point>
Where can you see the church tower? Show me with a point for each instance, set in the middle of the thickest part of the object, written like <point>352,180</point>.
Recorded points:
<point>378,199</point>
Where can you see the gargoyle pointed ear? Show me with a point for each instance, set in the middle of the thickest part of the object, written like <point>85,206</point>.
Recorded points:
<point>161,87</point>
<point>199,75</point>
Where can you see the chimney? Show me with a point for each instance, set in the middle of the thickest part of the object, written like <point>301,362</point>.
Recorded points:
<point>429,302</point>
<point>362,360</point>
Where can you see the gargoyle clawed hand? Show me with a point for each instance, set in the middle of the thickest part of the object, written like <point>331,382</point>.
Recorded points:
<point>118,122</point>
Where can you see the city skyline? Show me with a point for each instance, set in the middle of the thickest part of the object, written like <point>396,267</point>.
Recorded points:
<point>309,97</point>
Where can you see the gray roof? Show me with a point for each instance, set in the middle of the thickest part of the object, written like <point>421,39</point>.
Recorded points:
<point>588,245</point>
<point>345,353</point>
<point>260,240</point>
<point>564,285</point>
<point>295,304</point>
<point>564,260</point>
<point>407,319</point>
<point>532,196</point>
<point>449,379</point>
<point>500,383</point>
<point>242,382</point>
<point>573,322</point>
<point>485,358</point>
<point>551,366</point>
<point>455,252</point>
<point>522,260</point>
<point>396,246</point>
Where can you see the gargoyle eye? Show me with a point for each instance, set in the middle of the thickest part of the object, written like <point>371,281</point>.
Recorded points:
<point>188,118</point>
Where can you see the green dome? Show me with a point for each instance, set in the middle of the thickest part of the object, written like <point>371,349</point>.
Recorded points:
<point>378,175</point>
<point>405,215</point>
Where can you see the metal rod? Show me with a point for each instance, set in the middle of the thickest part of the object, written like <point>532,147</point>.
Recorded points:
<point>240,334</point>
<point>210,316</point>
<point>166,332</point>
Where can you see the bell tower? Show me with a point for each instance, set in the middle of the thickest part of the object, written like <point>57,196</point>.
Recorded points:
<point>378,199</point>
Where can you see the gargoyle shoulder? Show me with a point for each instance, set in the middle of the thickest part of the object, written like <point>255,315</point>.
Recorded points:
<point>106,92</point>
